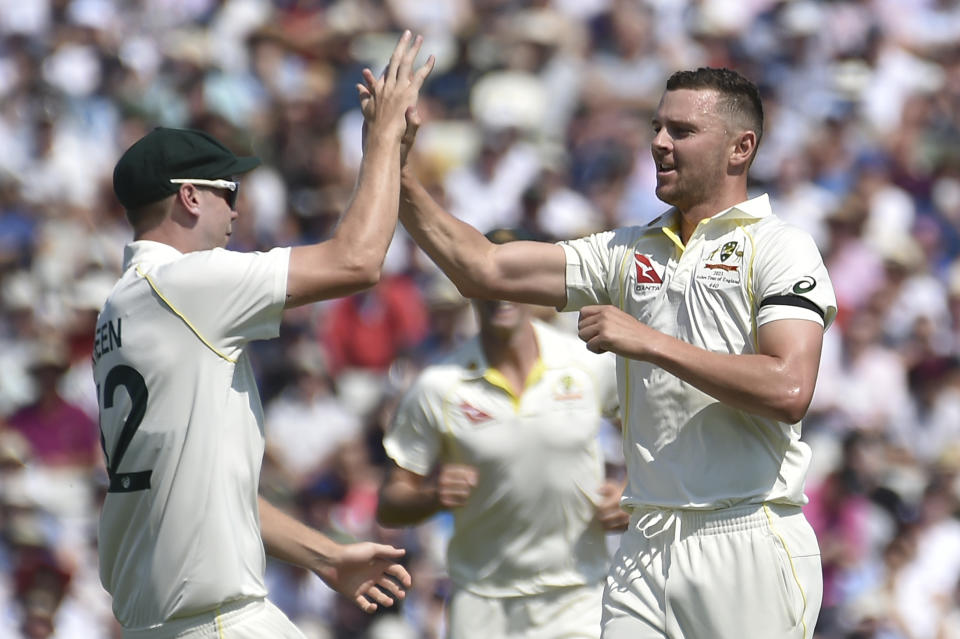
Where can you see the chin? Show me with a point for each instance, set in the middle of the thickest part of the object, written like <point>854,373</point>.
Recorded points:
<point>665,196</point>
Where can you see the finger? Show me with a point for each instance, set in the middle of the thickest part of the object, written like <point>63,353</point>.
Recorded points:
<point>594,346</point>
<point>423,72</point>
<point>380,597</point>
<point>587,333</point>
<point>400,573</point>
<point>369,78</point>
<point>391,587</point>
<point>395,58</point>
<point>364,604</point>
<point>413,125</point>
<point>406,62</point>
<point>363,91</point>
<point>383,551</point>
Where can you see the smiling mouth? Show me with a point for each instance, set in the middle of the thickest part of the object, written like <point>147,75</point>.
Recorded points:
<point>665,168</point>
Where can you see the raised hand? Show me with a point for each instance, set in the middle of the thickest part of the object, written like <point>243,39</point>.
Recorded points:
<point>455,482</point>
<point>389,102</point>
<point>368,574</point>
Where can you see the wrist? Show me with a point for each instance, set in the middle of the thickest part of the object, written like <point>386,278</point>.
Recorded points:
<point>325,556</point>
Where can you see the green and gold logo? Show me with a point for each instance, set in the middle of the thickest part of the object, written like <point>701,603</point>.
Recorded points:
<point>727,251</point>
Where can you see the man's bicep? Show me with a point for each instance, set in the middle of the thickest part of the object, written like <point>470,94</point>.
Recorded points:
<point>531,272</point>
<point>797,343</point>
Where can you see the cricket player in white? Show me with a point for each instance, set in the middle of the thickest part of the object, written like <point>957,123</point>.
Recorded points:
<point>503,433</point>
<point>717,311</point>
<point>183,533</point>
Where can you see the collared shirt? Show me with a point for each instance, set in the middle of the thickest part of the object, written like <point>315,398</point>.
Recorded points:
<point>529,523</point>
<point>740,269</point>
<point>182,428</point>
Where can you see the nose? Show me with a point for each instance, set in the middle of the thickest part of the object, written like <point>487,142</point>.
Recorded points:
<point>660,141</point>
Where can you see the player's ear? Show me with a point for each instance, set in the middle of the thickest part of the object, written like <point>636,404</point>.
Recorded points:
<point>744,147</point>
<point>189,198</point>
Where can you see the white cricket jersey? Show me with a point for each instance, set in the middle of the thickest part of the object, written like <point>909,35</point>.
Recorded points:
<point>740,269</point>
<point>529,523</point>
<point>182,428</point>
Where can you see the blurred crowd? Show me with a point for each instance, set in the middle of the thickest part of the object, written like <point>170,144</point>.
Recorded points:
<point>537,117</point>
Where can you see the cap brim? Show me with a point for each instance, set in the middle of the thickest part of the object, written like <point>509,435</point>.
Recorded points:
<point>243,165</point>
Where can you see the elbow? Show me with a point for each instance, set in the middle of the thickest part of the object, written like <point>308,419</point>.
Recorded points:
<point>364,271</point>
<point>793,404</point>
<point>481,283</point>
<point>469,289</point>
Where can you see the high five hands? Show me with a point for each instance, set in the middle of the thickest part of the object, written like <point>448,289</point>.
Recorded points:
<point>393,95</point>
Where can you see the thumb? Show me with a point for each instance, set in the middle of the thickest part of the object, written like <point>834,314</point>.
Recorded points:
<point>413,120</point>
<point>384,551</point>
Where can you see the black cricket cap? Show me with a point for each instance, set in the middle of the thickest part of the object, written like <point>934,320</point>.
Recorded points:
<point>143,173</point>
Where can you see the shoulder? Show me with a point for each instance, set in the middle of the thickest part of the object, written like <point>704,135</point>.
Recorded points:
<point>772,231</point>
<point>438,378</point>
<point>219,267</point>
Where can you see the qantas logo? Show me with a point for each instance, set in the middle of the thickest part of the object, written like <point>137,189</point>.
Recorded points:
<point>474,414</point>
<point>646,274</point>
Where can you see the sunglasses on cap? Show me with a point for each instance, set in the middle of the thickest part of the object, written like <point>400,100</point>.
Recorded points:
<point>232,188</point>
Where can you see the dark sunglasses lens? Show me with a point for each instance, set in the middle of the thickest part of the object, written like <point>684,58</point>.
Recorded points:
<point>232,197</point>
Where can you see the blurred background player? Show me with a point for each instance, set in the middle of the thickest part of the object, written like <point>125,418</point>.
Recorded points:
<point>503,433</point>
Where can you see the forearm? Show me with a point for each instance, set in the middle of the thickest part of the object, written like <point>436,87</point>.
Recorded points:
<point>406,505</point>
<point>526,272</point>
<point>368,225</point>
<point>460,250</point>
<point>351,260</point>
<point>760,384</point>
<point>289,540</point>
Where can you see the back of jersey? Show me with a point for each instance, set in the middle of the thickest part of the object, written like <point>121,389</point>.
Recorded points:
<point>181,427</point>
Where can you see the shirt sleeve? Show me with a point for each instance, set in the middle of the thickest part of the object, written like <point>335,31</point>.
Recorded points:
<point>228,296</point>
<point>792,281</point>
<point>413,439</point>
<point>588,270</point>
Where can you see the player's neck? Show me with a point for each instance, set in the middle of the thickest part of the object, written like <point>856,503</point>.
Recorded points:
<point>173,236</point>
<point>691,216</point>
<point>514,354</point>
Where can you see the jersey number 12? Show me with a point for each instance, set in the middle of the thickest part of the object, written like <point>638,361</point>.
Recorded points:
<point>132,381</point>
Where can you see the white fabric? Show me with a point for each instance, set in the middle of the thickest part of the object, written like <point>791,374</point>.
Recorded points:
<point>257,619</point>
<point>528,526</point>
<point>685,449</point>
<point>570,613</point>
<point>752,571</point>
<point>192,540</point>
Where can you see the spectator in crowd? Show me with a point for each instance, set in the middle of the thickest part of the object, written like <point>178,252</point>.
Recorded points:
<point>849,86</point>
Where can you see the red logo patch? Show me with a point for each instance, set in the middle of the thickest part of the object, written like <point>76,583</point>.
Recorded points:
<point>723,267</point>
<point>646,273</point>
<point>475,415</point>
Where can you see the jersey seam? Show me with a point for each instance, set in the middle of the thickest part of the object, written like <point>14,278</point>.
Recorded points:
<point>793,568</point>
<point>183,317</point>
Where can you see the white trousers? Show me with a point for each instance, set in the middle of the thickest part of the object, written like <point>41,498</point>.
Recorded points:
<point>248,619</point>
<point>564,613</point>
<point>750,572</point>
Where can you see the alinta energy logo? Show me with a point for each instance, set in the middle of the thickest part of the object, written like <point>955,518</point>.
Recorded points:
<point>647,277</point>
